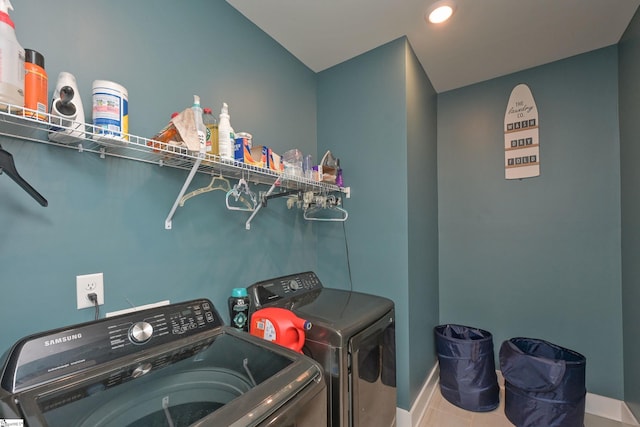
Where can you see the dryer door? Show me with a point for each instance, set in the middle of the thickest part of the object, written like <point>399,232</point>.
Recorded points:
<point>372,380</point>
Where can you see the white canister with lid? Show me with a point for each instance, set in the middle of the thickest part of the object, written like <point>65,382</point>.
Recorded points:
<point>110,109</point>
<point>247,136</point>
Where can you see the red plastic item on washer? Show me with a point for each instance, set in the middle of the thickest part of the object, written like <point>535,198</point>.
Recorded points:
<point>280,326</point>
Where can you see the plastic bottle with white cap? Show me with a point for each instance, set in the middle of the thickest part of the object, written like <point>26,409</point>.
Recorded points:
<point>12,64</point>
<point>226,136</point>
<point>200,128</point>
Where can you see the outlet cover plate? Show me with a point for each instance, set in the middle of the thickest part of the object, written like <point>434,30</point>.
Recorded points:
<point>86,284</point>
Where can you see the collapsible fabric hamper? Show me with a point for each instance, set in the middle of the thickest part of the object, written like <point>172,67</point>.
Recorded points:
<point>544,384</point>
<point>467,367</point>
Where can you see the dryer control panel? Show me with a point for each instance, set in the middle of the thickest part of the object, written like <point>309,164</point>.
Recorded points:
<point>285,289</point>
<point>57,353</point>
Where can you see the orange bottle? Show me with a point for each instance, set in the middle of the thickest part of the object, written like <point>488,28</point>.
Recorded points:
<point>35,85</point>
<point>280,326</point>
<point>168,133</point>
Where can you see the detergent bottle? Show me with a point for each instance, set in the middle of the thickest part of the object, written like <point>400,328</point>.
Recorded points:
<point>12,63</point>
<point>212,131</point>
<point>280,326</point>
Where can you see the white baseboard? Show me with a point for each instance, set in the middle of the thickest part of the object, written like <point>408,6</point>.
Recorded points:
<point>601,406</point>
<point>612,409</point>
<point>403,418</point>
<point>628,417</point>
<point>411,418</point>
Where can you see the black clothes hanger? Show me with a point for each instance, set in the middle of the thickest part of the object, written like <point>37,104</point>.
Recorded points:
<point>8,166</point>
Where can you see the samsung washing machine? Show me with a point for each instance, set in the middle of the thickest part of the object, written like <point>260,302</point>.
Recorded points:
<point>175,366</point>
<point>352,337</point>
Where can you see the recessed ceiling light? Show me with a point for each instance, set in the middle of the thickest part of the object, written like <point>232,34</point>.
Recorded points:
<point>440,11</point>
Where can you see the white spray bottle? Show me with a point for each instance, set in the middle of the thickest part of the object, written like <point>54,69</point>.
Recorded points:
<point>12,64</point>
<point>226,136</point>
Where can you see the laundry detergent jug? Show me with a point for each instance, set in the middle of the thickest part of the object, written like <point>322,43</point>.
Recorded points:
<point>280,326</point>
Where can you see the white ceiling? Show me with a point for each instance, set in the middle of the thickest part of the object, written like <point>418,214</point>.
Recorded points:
<point>484,38</point>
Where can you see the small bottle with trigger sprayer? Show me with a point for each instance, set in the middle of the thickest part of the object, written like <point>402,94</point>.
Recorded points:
<point>12,63</point>
<point>226,136</point>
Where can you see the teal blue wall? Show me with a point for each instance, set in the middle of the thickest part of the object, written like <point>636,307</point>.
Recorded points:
<point>378,112</point>
<point>538,257</point>
<point>362,119</point>
<point>422,210</point>
<point>107,215</point>
<point>629,70</point>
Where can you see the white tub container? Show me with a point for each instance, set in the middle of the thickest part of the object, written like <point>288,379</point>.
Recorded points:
<point>110,110</point>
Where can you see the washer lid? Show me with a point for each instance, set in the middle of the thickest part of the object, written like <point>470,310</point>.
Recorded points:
<point>223,377</point>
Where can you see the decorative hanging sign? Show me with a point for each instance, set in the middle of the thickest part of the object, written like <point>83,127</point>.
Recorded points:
<point>521,143</point>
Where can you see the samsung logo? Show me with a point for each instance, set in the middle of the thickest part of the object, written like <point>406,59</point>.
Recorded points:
<point>64,339</point>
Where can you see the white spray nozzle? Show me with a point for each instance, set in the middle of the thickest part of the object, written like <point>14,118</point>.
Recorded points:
<point>5,6</point>
<point>196,98</point>
<point>225,108</point>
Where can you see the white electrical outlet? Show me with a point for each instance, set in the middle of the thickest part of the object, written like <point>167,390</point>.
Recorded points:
<point>87,284</point>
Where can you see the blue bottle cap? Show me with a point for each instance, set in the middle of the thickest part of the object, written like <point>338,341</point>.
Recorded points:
<point>239,292</point>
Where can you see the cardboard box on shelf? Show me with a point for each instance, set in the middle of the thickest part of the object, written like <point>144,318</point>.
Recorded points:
<point>252,156</point>
<point>260,155</point>
<point>327,173</point>
<point>275,161</point>
<point>328,168</point>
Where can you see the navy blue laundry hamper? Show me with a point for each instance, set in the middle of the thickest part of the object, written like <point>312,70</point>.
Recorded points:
<point>544,383</point>
<point>467,367</point>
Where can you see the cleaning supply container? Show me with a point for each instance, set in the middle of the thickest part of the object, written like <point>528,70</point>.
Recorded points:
<point>211,124</point>
<point>199,123</point>
<point>67,112</point>
<point>544,383</point>
<point>280,326</point>
<point>239,305</point>
<point>12,63</point>
<point>110,110</point>
<point>226,136</point>
<point>467,367</point>
<point>35,85</point>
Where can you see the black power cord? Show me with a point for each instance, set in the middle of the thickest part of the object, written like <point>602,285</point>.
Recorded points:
<point>93,297</point>
<point>346,247</point>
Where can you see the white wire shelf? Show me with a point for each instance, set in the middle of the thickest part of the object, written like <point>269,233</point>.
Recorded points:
<point>30,125</point>
<point>15,122</point>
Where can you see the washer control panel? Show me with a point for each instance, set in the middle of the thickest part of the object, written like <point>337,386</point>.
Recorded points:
<point>290,287</point>
<point>53,354</point>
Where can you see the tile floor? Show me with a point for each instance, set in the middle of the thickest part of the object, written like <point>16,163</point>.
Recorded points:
<point>441,413</point>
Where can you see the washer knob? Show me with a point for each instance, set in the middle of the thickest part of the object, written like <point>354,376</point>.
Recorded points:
<point>141,370</point>
<point>140,332</point>
<point>294,285</point>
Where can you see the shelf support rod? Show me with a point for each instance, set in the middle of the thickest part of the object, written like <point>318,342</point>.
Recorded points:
<point>194,169</point>
<point>247,225</point>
